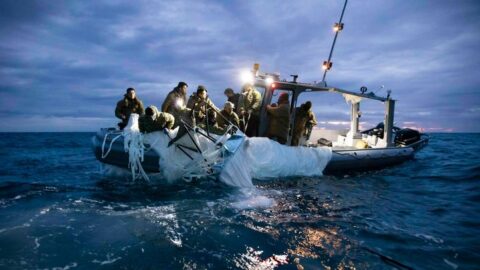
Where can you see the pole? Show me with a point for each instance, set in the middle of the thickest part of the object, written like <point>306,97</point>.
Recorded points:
<point>334,41</point>
<point>388,125</point>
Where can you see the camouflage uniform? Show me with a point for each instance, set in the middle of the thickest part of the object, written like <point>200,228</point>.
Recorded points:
<point>311,122</point>
<point>301,118</point>
<point>170,105</point>
<point>213,128</point>
<point>235,99</point>
<point>127,106</point>
<point>159,121</point>
<point>279,122</point>
<point>250,102</point>
<point>304,122</point>
<point>232,117</point>
<point>200,107</point>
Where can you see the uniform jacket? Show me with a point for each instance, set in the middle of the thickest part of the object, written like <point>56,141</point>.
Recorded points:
<point>304,120</point>
<point>170,104</point>
<point>301,119</point>
<point>200,107</point>
<point>311,119</point>
<point>160,121</point>
<point>127,106</point>
<point>212,128</point>
<point>251,100</point>
<point>279,121</point>
<point>232,117</point>
<point>235,99</point>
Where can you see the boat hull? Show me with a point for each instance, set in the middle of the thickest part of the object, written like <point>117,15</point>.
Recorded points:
<point>117,155</point>
<point>343,161</point>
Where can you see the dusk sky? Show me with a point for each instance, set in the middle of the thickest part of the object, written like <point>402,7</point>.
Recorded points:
<point>65,64</point>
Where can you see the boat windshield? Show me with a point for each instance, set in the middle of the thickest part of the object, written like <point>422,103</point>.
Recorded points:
<point>280,92</point>
<point>261,89</point>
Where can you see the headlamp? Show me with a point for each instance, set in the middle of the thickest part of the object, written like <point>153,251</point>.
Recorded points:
<point>179,103</point>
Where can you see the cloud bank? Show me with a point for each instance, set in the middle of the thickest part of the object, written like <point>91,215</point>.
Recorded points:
<point>63,65</point>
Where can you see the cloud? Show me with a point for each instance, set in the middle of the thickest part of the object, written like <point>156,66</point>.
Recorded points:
<point>74,60</point>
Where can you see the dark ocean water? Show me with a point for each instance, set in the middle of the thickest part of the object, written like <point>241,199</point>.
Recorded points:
<point>58,211</point>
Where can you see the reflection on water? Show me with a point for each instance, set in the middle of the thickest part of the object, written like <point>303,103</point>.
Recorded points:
<point>252,260</point>
<point>311,242</point>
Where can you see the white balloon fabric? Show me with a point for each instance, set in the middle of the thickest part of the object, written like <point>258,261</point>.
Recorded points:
<point>262,158</point>
<point>254,158</point>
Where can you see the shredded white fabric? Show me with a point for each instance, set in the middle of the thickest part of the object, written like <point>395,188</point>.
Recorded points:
<point>133,145</point>
<point>182,159</point>
<point>258,158</point>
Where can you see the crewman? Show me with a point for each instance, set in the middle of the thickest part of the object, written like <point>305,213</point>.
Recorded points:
<point>200,104</point>
<point>233,97</point>
<point>249,110</point>
<point>153,120</point>
<point>304,122</point>
<point>128,105</point>
<point>227,116</point>
<point>212,124</point>
<point>311,122</point>
<point>279,119</point>
<point>175,103</point>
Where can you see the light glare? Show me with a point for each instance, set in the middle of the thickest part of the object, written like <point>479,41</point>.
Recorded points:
<point>180,103</point>
<point>269,81</point>
<point>246,77</point>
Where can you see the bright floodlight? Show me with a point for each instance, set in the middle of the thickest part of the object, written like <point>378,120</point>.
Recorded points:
<point>338,27</point>
<point>327,65</point>
<point>269,81</point>
<point>246,77</point>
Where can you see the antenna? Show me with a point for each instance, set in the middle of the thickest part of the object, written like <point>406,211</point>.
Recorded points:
<point>337,27</point>
<point>379,89</point>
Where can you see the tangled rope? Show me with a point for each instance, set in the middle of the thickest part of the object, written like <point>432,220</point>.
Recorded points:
<point>104,155</point>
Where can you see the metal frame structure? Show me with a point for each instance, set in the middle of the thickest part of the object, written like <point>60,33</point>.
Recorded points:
<point>298,88</point>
